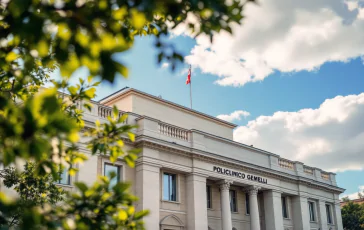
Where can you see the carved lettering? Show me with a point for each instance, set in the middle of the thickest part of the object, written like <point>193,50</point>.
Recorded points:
<point>239,174</point>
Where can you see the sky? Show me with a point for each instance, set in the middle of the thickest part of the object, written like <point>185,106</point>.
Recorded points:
<point>291,77</point>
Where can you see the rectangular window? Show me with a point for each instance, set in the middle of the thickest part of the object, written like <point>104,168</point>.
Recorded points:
<point>247,207</point>
<point>112,169</point>
<point>208,196</point>
<point>64,177</point>
<point>328,214</point>
<point>169,187</point>
<point>284,207</point>
<point>311,209</point>
<point>233,206</point>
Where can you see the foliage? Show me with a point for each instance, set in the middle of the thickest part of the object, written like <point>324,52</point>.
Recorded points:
<point>33,190</point>
<point>353,216</point>
<point>40,36</point>
<point>94,207</point>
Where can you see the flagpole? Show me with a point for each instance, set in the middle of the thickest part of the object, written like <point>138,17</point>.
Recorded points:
<point>191,88</point>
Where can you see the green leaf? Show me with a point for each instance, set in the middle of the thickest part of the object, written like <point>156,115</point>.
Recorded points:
<point>131,136</point>
<point>90,93</point>
<point>72,90</point>
<point>81,186</point>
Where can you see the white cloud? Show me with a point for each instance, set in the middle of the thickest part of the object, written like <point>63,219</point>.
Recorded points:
<point>164,65</point>
<point>330,137</point>
<point>354,195</point>
<point>234,116</point>
<point>281,35</point>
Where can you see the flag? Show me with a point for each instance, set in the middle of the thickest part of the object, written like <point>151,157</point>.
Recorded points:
<point>188,81</point>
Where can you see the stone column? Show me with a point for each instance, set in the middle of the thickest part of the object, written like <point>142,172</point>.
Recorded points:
<point>322,215</point>
<point>196,202</point>
<point>273,210</point>
<point>253,205</point>
<point>225,205</point>
<point>301,218</point>
<point>148,190</point>
<point>337,216</point>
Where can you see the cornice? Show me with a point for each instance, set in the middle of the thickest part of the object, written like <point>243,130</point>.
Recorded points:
<point>200,155</point>
<point>130,91</point>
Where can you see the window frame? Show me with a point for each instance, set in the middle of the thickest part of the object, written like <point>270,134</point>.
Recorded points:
<point>119,170</point>
<point>312,210</point>
<point>208,196</point>
<point>247,204</point>
<point>233,202</point>
<point>176,187</point>
<point>329,218</point>
<point>118,163</point>
<point>285,207</point>
<point>59,181</point>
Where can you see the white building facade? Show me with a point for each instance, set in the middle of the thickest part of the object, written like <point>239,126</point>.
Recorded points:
<point>191,175</point>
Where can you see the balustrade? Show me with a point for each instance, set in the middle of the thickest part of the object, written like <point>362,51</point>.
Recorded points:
<point>325,176</point>
<point>104,112</point>
<point>308,170</point>
<point>173,131</point>
<point>286,164</point>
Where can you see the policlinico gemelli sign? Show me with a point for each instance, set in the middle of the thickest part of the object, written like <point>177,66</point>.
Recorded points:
<point>241,175</point>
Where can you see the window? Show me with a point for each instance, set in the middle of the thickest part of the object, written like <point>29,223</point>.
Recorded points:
<point>328,214</point>
<point>311,209</point>
<point>247,207</point>
<point>208,196</point>
<point>64,177</point>
<point>169,187</point>
<point>233,206</point>
<point>112,169</point>
<point>284,207</point>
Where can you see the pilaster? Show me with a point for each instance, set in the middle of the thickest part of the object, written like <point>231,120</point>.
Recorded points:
<point>196,202</point>
<point>300,213</point>
<point>273,210</point>
<point>337,216</point>
<point>148,191</point>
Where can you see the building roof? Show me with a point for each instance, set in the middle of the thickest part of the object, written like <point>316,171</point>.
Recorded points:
<point>355,201</point>
<point>127,90</point>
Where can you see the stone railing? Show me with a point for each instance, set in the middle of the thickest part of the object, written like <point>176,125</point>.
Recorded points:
<point>325,176</point>
<point>308,170</point>
<point>173,131</point>
<point>104,112</point>
<point>286,164</point>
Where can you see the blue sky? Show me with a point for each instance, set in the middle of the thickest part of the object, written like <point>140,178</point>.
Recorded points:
<point>297,71</point>
<point>279,92</point>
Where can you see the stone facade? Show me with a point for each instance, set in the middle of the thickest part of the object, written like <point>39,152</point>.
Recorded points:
<point>198,151</point>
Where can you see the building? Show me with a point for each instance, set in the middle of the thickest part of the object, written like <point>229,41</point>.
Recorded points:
<point>191,175</point>
<point>355,201</point>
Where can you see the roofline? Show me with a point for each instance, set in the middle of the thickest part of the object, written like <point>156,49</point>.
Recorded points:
<point>126,90</point>
<point>353,200</point>
<point>116,92</point>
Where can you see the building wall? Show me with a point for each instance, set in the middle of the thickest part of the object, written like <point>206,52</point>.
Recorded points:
<point>194,161</point>
<point>235,152</point>
<point>125,104</point>
<point>168,114</point>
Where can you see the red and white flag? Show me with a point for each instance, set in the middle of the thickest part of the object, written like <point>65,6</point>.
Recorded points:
<point>188,81</point>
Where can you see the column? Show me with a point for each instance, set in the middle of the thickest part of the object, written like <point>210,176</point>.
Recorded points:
<point>148,190</point>
<point>196,202</point>
<point>337,216</point>
<point>322,215</point>
<point>253,205</point>
<point>273,210</point>
<point>301,218</point>
<point>225,205</point>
